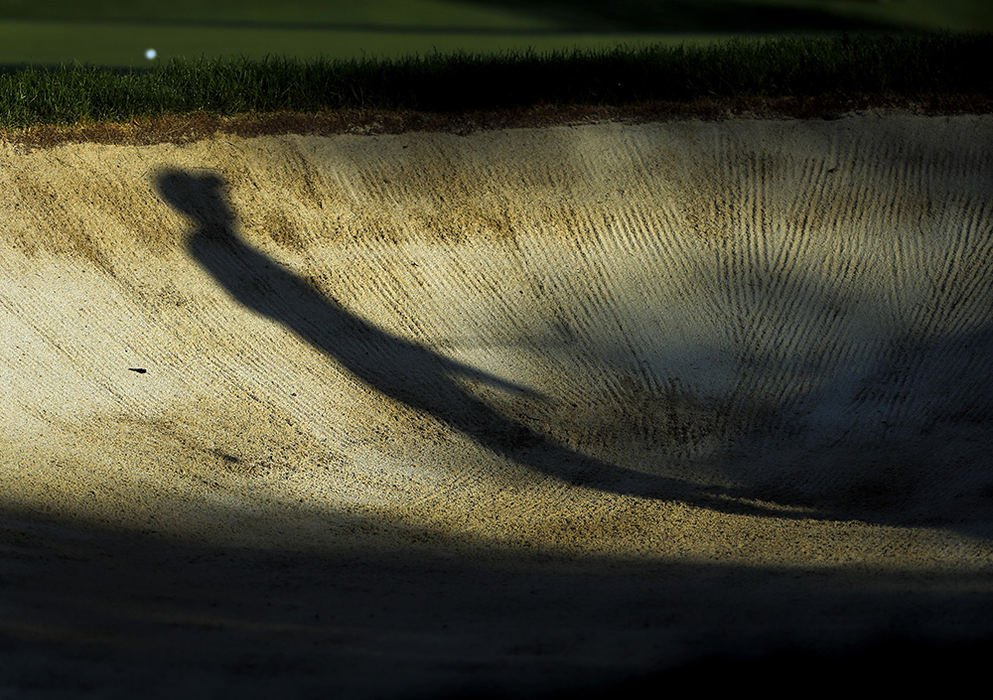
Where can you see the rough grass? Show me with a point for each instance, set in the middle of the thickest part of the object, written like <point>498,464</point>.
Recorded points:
<point>891,65</point>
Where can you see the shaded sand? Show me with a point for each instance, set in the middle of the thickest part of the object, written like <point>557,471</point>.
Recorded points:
<point>521,410</point>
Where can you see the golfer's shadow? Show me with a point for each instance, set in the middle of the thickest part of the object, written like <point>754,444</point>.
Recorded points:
<point>403,370</point>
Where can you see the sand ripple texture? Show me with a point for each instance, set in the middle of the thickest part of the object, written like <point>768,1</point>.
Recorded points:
<point>751,341</point>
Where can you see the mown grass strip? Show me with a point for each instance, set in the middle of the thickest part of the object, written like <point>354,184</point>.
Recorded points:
<point>914,64</point>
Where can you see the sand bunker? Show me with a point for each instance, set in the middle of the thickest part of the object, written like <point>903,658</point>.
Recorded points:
<point>750,342</point>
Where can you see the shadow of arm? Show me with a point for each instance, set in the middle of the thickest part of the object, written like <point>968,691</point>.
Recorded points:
<point>486,378</point>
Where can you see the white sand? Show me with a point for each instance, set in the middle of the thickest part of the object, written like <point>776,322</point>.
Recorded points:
<point>749,344</point>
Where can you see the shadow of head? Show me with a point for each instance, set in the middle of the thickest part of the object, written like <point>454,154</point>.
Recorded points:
<point>201,197</point>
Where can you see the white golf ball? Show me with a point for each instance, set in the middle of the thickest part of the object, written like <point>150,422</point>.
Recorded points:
<point>151,54</point>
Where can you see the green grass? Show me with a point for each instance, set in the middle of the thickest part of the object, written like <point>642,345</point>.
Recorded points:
<point>946,64</point>
<point>117,32</point>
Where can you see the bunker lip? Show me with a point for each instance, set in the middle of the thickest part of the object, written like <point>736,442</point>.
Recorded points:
<point>186,128</point>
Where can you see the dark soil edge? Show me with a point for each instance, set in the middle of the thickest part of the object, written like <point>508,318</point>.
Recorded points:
<point>203,125</point>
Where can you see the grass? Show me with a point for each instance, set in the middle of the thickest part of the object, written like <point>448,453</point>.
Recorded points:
<point>906,64</point>
<point>117,32</point>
